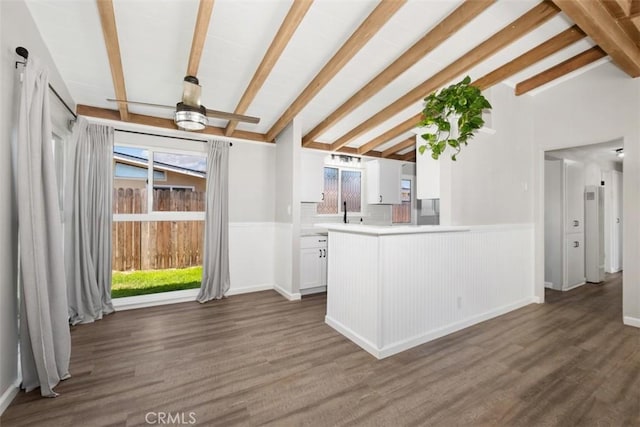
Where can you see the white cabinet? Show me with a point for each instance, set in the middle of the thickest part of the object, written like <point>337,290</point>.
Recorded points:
<point>574,197</point>
<point>313,264</point>
<point>564,224</point>
<point>312,174</point>
<point>427,173</point>
<point>384,182</point>
<point>575,260</point>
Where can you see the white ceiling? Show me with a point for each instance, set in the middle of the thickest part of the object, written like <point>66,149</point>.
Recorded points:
<point>602,152</point>
<point>155,40</point>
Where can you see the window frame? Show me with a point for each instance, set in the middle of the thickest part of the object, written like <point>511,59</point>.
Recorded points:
<point>340,169</point>
<point>195,148</point>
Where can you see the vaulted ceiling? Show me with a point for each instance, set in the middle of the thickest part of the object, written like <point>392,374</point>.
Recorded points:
<point>354,71</point>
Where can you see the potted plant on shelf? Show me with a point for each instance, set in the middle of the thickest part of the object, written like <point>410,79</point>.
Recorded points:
<point>451,117</point>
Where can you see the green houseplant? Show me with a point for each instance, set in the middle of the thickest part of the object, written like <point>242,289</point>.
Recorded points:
<point>451,117</point>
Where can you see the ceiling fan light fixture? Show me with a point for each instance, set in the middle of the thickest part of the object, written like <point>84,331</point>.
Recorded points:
<point>190,118</point>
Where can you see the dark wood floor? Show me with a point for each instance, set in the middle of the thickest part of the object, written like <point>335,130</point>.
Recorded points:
<point>257,359</point>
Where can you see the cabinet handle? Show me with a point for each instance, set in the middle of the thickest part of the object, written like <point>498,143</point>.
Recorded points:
<point>576,244</point>
<point>576,223</point>
<point>320,254</point>
<point>322,197</point>
<point>380,198</point>
<point>322,240</point>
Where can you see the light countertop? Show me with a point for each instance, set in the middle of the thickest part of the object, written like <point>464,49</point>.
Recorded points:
<point>387,230</point>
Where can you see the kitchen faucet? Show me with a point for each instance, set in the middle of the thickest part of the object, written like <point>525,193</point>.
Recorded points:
<point>345,211</point>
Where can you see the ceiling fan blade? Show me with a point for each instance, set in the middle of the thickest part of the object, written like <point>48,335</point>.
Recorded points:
<point>148,104</point>
<point>232,116</point>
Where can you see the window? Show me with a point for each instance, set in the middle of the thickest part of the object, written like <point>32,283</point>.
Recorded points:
<point>158,218</point>
<point>124,170</point>
<point>341,185</point>
<point>402,212</point>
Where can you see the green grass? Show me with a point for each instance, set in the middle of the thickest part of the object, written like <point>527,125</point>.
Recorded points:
<point>142,282</point>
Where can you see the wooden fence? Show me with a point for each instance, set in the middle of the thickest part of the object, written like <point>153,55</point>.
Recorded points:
<point>151,245</point>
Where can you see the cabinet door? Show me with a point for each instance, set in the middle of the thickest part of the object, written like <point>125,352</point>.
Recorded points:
<point>311,268</point>
<point>312,177</point>
<point>427,173</point>
<point>575,259</point>
<point>384,182</point>
<point>574,197</point>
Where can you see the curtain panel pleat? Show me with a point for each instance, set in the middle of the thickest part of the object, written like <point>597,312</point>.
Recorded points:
<point>45,342</point>
<point>215,264</point>
<point>88,233</point>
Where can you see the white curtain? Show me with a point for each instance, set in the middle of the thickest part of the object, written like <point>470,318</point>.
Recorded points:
<point>215,264</point>
<point>88,230</point>
<point>45,342</point>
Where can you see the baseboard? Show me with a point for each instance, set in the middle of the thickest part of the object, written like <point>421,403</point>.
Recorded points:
<point>401,346</point>
<point>363,343</point>
<point>631,321</point>
<point>152,300</point>
<point>8,396</point>
<point>574,286</point>
<point>176,297</point>
<point>454,327</point>
<point>548,285</point>
<point>316,290</point>
<point>250,289</point>
<point>288,295</point>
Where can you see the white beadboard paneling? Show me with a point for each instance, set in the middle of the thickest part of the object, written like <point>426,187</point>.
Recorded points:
<point>352,284</point>
<point>251,255</point>
<point>389,293</point>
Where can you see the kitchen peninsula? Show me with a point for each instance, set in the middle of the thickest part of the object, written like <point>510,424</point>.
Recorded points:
<point>391,288</point>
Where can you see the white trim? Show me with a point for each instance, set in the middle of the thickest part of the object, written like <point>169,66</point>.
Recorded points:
<point>161,216</point>
<point>152,300</point>
<point>398,347</point>
<point>290,296</point>
<point>574,286</point>
<point>365,344</point>
<point>250,289</point>
<point>631,321</point>
<point>176,297</point>
<point>313,290</point>
<point>548,285</point>
<point>8,396</point>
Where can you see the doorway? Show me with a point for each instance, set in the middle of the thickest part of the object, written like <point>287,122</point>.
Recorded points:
<point>583,214</point>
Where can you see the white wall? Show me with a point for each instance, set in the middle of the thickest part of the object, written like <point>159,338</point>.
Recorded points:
<point>600,105</point>
<point>490,183</point>
<point>16,29</point>
<point>553,223</point>
<point>252,185</point>
<point>287,210</point>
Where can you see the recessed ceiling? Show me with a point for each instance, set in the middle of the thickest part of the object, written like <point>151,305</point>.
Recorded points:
<point>155,39</point>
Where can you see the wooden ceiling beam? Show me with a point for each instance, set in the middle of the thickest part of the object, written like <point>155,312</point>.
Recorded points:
<point>200,31</point>
<point>410,156</point>
<point>371,25</point>
<point>551,46</point>
<point>515,30</point>
<point>349,150</point>
<point>400,146</point>
<point>464,14</point>
<point>595,20</point>
<point>110,33</point>
<point>289,25</point>
<point>394,132</point>
<point>560,70</point>
<point>140,119</point>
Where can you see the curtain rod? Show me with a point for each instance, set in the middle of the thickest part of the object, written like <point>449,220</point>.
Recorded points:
<point>24,53</point>
<point>164,136</point>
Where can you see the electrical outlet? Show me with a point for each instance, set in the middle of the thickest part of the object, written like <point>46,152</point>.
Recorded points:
<point>459,302</point>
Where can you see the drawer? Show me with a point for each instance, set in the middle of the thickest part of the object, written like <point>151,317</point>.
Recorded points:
<point>313,242</point>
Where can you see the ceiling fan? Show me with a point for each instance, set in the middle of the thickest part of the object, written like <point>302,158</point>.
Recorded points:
<point>189,114</point>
